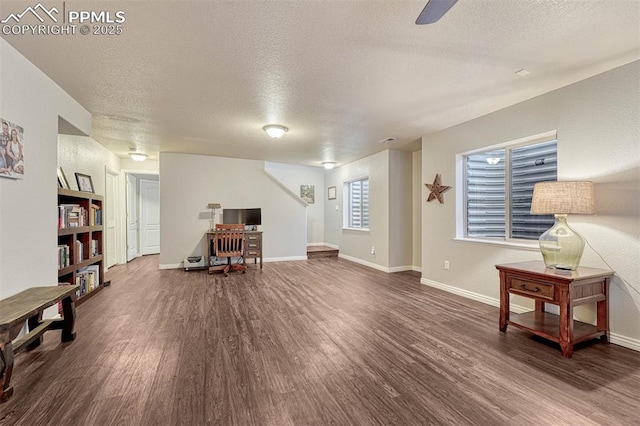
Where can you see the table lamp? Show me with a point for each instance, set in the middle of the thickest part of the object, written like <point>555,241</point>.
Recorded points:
<point>560,245</point>
<point>213,207</point>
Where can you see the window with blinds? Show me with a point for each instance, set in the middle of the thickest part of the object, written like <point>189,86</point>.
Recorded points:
<point>499,186</point>
<point>358,204</point>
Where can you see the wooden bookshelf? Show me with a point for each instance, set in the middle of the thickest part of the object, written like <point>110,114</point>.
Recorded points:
<point>80,229</point>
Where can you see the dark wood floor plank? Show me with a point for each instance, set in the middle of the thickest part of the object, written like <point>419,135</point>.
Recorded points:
<point>315,342</point>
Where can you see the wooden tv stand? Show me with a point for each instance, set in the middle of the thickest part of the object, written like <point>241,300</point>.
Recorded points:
<point>565,289</point>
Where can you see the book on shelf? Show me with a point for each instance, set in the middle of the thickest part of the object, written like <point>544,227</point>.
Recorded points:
<point>88,279</point>
<point>63,256</point>
<point>94,248</point>
<point>95,217</point>
<point>78,251</point>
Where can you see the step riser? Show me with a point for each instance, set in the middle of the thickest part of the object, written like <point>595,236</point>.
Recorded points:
<point>320,254</point>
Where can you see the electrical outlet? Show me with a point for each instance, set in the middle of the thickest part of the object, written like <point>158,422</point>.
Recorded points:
<point>446,264</point>
<point>373,250</point>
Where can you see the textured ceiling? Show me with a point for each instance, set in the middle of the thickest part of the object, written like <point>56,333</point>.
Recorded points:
<point>204,77</point>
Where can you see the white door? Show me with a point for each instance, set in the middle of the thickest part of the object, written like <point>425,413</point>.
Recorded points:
<point>111,257</point>
<point>132,218</point>
<point>149,216</point>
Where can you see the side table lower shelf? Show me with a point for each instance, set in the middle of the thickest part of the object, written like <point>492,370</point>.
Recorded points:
<point>547,325</point>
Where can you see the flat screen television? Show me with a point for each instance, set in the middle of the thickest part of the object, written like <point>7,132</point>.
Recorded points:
<point>246,216</point>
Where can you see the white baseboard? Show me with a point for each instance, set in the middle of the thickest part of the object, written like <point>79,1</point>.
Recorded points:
<point>315,244</point>
<point>392,269</point>
<point>171,265</point>
<point>627,342</point>
<point>387,269</point>
<point>473,296</point>
<point>616,339</point>
<point>284,259</point>
<point>364,262</point>
<point>333,246</point>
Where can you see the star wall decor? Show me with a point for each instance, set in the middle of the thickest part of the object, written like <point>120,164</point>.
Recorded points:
<point>437,189</point>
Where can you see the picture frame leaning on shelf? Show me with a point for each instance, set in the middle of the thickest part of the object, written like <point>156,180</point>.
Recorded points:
<point>85,184</point>
<point>62,179</point>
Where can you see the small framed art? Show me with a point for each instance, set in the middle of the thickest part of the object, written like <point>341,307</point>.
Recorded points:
<point>85,184</point>
<point>332,192</point>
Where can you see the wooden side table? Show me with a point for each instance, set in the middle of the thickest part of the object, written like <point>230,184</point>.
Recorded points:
<point>566,289</point>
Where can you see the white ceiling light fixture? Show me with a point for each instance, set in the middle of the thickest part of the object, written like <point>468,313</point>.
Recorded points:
<point>137,156</point>
<point>275,130</point>
<point>387,140</point>
<point>329,164</point>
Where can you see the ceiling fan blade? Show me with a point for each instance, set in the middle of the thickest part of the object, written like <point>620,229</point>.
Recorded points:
<point>434,10</point>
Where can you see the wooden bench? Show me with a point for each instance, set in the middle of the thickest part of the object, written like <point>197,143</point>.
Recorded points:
<point>28,306</point>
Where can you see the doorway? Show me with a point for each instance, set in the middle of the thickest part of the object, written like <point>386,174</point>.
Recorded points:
<point>143,215</point>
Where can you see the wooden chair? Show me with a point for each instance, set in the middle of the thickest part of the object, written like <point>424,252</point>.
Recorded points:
<point>228,241</point>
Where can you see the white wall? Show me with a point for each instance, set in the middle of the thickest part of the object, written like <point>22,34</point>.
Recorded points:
<point>293,176</point>
<point>28,235</point>
<point>400,210</point>
<point>190,182</point>
<point>84,155</point>
<point>598,123</point>
<point>417,198</point>
<point>356,245</point>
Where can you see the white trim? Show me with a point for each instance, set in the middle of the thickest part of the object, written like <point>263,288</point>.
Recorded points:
<point>523,245</point>
<point>549,135</point>
<point>284,259</point>
<point>627,342</point>
<point>387,269</point>
<point>364,262</point>
<point>393,269</point>
<point>616,339</point>
<point>316,244</point>
<point>171,266</point>
<point>473,296</point>
<point>356,229</point>
<point>334,246</point>
<point>284,186</point>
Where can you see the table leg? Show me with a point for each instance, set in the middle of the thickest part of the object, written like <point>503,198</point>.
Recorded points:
<point>504,302</point>
<point>68,319</point>
<point>566,322</point>
<point>539,306</point>
<point>33,322</point>
<point>602,308</point>
<point>6,366</point>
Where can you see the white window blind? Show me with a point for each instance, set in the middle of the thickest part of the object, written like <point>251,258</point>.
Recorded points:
<point>358,213</point>
<point>499,187</point>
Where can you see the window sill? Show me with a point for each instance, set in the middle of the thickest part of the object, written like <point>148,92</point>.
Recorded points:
<point>356,229</point>
<point>524,245</point>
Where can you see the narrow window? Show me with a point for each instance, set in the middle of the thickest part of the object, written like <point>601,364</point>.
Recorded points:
<point>357,204</point>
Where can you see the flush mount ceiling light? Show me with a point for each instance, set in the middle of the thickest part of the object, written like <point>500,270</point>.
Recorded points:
<point>137,156</point>
<point>275,130</point>
<point>387,140</point>
<point>493,160</point>
<point>329,164</point>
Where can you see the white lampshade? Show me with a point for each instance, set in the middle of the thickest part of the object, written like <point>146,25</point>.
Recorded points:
<point>275,130</point>
<point>563,198</point>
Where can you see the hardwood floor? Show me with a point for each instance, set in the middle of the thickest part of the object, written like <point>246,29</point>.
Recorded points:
<point>315,342</point>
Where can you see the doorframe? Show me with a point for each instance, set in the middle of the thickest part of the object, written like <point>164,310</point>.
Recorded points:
<point>123,203</point>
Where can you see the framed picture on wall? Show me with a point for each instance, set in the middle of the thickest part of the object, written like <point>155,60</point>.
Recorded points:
<point>62,179</point>
<point>307,193</point>
<point>85,184</point>
<point>332,192</point>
